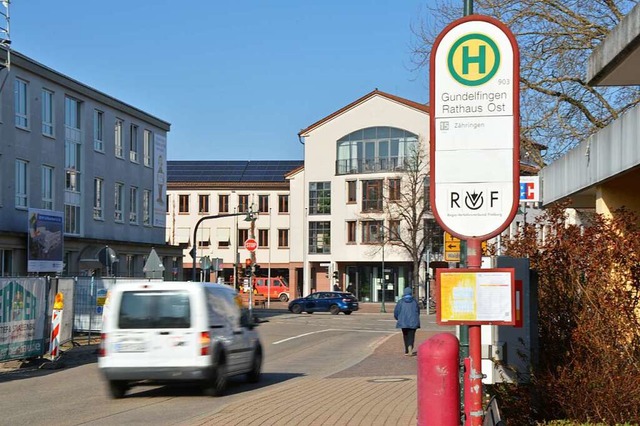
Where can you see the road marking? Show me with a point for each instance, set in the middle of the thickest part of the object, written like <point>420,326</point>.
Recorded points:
<point>332,329</point>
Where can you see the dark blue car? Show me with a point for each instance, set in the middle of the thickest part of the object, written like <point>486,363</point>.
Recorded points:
<point>325,301</point>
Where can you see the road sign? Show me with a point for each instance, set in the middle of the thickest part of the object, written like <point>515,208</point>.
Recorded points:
<point>475,147</point>
<point>251,244</point>
<point>451,248</point>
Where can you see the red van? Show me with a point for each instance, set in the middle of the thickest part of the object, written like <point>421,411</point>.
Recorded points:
<point>279,287</point>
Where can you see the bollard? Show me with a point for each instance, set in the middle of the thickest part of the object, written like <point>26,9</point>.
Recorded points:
<point>438,387</point>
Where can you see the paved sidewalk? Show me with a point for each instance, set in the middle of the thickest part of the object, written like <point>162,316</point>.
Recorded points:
<point>380,390</point>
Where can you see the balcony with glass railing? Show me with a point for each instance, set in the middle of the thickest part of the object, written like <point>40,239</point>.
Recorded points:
<point>370,165</point>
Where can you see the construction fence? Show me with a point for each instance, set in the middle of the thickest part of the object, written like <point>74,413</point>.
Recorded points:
<point>26,307</point>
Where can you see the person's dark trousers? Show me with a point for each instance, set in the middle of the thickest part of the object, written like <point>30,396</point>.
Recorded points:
<point>409,337</point>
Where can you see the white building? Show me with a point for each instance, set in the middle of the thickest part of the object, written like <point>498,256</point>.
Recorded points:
<point>353,159</point>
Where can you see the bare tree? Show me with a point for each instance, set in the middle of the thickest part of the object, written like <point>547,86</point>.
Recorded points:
<point>406,208</point>
<point>556,37</point>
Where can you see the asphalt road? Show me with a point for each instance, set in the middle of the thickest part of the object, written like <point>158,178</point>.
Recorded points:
<point>296,347</point>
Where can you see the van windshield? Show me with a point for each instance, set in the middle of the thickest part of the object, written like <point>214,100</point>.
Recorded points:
<point>154,309</point>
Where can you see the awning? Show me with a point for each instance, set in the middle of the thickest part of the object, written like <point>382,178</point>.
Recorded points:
<point>97,257</point>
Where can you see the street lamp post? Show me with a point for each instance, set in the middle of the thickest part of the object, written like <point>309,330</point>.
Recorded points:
<point>194,251</point>
<point>384,281</point>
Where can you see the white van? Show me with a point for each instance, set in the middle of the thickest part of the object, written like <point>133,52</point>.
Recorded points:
<point>177,331</point>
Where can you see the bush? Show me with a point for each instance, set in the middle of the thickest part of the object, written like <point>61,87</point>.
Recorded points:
<point>589,321</point>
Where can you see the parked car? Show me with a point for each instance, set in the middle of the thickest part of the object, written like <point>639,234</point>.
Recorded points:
<point>325,301</point>
<point>177,331</point>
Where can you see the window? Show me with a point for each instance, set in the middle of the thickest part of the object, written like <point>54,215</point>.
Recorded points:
<point>243,235</point>
<point>204,237</point>
<point>72,162</point>
<point>320,198</point>
<point>119,202</point>
<point>133,143</point>
<point>133,205</point>
<point>351,231</point>
<point>21,184</point>
<point>72,113</point>
<point>47,187</point>
<point>283,204</point>
<point>394,230</point>
<point>224,237</point>
<point>371,195</point>
<point>372,231</point>
<point>243,203</point>
<point>6,261</point>
<point>223,203</point>
<point>72,151</point>
<point>203,203</point>
<point>263,203</point>
<point>147,150</point>
<point>319,237</point>
<point>21,100</point>
<point>374,149</point>
<point>146,207</point>
<point>427,195</point>
<point>72,219</point>
<point>47,112</point>
<point>394,189</point>
<point>183,203</point>
<point>118,139</point>
<point>98,130</point>
<point>351,191</point>
<point>283,238</point>
<point>263,238</point>
<point>98,199</point>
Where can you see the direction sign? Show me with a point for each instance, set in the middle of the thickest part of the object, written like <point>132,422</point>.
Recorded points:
<point>251,244</point>
<point>451,248</point>
<point>475,148</point>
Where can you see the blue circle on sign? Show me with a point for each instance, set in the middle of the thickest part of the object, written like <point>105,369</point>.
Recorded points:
<point>98,309</point>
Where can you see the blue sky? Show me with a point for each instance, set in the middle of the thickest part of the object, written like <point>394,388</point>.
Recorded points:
<point>236,79</point>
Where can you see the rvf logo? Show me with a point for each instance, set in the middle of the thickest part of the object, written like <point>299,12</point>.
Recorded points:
<point>473,59</point>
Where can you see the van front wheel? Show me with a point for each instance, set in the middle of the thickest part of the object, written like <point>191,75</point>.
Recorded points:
<point>284,298</point>
<point>217,383</point>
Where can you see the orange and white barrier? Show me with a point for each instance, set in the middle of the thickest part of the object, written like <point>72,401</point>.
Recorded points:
<point>56,321</point>
<point>56,324</point>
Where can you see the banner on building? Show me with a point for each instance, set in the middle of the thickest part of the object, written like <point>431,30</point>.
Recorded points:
<point>160,181</point>
<point>22,317</point>
<point>45,241</point>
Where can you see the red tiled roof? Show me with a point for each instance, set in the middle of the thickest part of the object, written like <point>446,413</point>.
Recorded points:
<point>376,92</point>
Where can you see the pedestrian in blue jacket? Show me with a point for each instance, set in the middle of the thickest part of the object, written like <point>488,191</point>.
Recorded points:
<point>407,314</point>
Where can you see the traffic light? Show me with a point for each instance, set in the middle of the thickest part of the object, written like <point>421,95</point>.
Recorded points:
<point>335,275</point>
<point>247,272</point>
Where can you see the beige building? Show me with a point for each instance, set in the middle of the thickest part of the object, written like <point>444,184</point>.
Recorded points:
<point>222,193</point>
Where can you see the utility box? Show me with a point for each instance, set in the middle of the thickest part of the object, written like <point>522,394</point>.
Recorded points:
<point>508,352</point>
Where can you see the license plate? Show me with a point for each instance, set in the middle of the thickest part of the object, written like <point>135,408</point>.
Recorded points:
<point>131,347</point>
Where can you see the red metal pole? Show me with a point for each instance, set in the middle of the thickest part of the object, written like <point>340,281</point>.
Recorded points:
<point>474,260</point>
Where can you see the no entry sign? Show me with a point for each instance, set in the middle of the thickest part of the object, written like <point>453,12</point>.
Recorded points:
<point>251,244</point>
<point>475,127</point>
